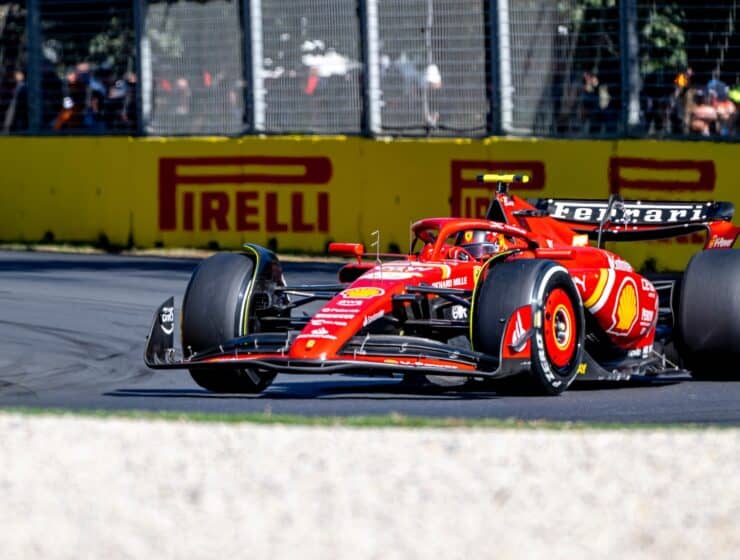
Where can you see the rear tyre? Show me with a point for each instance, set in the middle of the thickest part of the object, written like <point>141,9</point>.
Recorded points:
<point>215,309</point>
<point>557,340</point>
<point>709,315</point>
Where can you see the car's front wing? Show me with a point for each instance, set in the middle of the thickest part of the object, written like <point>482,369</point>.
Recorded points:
<point>369,354</point>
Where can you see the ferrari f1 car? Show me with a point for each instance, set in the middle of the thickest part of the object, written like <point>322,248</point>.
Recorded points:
<point>527,293</point>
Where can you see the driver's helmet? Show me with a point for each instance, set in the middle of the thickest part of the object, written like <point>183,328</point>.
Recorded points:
<point>481,243</point>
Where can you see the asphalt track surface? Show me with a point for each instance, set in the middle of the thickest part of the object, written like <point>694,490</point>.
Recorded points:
<point>73,329</point>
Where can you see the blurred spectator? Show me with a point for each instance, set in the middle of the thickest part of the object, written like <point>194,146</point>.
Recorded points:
<point>82,107</point>
<point>703,117</point>
<point>658,101</point>
<point>724,106</point>
<point>667,101</point>
<point>182,95</point>
<point>119,109</point>
<point>599,109</point>
<point>683,96</point>
<point>16,115</point>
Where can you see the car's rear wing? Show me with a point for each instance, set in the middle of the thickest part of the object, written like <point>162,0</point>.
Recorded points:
<point>633,220</point>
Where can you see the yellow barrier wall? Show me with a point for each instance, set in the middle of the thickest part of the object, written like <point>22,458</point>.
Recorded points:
<point>305,191</point>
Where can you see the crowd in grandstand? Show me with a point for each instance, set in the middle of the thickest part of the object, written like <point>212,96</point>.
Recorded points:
<point>686,106</point>
<point>94,100</point>
<point>87,99</point>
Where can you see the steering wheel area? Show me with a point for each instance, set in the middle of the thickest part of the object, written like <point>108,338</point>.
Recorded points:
<point>456,253</point>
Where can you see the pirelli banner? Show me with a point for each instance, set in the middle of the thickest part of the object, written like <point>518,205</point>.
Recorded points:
<point>298,193</point>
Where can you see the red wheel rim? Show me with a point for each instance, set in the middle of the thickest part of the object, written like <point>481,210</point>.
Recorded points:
<point>559,328</point>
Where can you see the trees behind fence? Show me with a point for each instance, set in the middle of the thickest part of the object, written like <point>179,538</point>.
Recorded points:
<point>571,68</point>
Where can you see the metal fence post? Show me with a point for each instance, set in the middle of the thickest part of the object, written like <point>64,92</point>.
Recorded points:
<point>255,102</point>
<point>139,12</point>
<point>33,70</point>
<point>505,84</point>
<point>247,67</point>
<point>371,115</point>
<point>490,8</point>
<point>630,65</point>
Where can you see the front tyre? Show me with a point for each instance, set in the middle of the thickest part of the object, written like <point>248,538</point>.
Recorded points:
<point>216,308</point>
<point>558,329</point>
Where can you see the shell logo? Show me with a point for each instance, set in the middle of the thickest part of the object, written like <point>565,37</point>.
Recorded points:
<point>363,293</point>
<point>626,308</point>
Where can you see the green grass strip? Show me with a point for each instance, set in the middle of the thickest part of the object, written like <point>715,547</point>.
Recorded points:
<point>392,420</point>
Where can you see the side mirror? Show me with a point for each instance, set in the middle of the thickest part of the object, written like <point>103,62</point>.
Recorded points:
<point>347,250</point>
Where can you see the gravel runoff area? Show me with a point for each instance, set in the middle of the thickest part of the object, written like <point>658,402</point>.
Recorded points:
<point>87,488</point>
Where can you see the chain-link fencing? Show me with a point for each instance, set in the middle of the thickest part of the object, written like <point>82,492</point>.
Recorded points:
<point>432,66</point>
<point>311,66</point>
<point>192,67</point>
<point>469,68</point>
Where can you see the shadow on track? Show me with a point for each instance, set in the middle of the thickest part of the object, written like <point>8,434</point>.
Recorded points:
<point>398,390</point>
<point>381,390</point>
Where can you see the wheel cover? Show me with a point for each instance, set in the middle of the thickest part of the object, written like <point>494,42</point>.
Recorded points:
<point>559,329</point>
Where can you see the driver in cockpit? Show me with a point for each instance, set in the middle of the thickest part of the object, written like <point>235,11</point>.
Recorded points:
<point>481,243</point>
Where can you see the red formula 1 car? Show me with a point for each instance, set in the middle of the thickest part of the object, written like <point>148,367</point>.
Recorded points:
<point>526,293</point>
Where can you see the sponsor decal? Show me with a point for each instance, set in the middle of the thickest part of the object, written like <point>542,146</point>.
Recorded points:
<point>721,243</point>
<point>459,312</point>
<point>318,333</point>
<point>245,193</point>
<point>363,293</point>
<point>622,265</point>
<point>310,344</point>
<point>370,318</point>
<point>349,303</point>
<point>470,199</point>
<point>333,316</point>
<point>389,275</point>
<point>333,310</point>
<point>167,320</point>
<point>518,331</point>
<point>582,367</point>
<point>451,282</point>
<point>647,316</point>
<point>330,322</point>
<point>647,213</point>
<point>626,308</point>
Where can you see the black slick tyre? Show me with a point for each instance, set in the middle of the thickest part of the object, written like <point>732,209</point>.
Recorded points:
<point>215,310</point>
<point>558,335</point>
<point>709,315</point>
